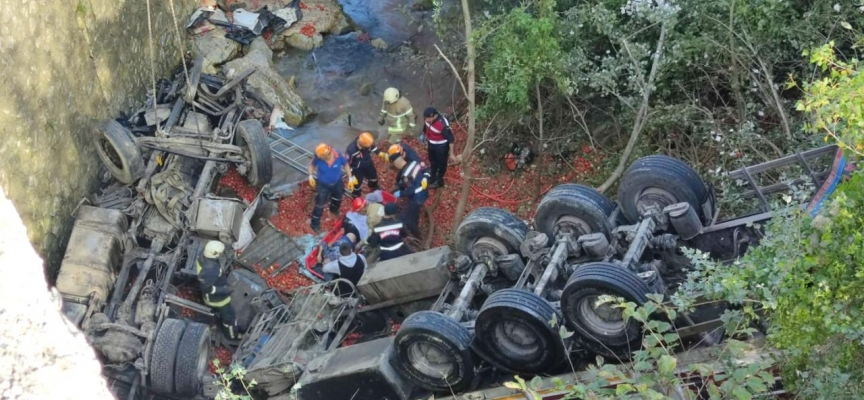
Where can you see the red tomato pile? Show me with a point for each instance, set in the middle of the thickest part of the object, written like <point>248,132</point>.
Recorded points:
<point>351,338</point>
<point>503,189</point>
<point>308,30</point>
<point>191,294</point>
<point>287,280</point>
<point>223,355</point>
<point>238,183</point>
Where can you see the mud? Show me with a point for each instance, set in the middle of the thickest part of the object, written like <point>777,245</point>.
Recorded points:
<point>344,79</point>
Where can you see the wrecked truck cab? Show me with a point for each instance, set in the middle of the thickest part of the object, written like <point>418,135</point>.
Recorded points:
<point>133,252</point>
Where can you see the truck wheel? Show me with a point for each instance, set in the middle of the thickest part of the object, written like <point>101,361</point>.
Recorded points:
<point>490,230</point>
<point>602,328</point>
<point>573,208</point>
<point>516,331</point>
<point>256,150</point>
<point>660,181</point>
<point>192,358</point>
<point>164,354</point>
<point>434,351</point>
<point>119,152</point>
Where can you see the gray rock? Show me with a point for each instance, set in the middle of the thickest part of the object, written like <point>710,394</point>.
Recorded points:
<point>267,82</point>
<point>215,48</point>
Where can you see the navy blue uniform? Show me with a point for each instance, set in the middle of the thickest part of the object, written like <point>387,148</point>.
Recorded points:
<point>410,183</point>
<point>362,167</point>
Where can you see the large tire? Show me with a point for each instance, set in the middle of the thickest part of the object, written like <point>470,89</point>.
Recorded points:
<point>497,227</point>
<point>164,355</point>
<point>434,352</point>
<point>253,140</point>
<point>118,150</point>
<point>573,207</point>
<point>662,181</point>
<point>192,358</point>
<point>602,329</point>
<point>517,331</point>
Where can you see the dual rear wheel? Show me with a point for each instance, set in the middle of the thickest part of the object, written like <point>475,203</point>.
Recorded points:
<point>515,329</point>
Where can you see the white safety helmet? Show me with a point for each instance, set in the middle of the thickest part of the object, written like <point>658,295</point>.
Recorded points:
<point>213,249</point>
<point>391,95</point>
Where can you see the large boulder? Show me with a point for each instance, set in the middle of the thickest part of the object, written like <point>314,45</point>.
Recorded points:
<point>267,82</point>
<point>319,17</point>
<point>215,48</point>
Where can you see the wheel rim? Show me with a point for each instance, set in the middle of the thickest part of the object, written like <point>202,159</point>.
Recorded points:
<point>430,359</point>
<point>488,247</point>
<point>111,154</point>
<point>654,196</point>
<point>571,224</point>
<point>603,319</point>
<point>203,359</point>
<point>516,338</point>
<point>249,162</point>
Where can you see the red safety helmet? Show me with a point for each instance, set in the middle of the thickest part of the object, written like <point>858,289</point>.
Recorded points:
<point>357,204</point>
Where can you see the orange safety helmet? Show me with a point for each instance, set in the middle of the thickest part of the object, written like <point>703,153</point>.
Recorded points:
<point>357,204</point>
<point>394,152</point>
<point>323,150</point>
<point>365,140</point>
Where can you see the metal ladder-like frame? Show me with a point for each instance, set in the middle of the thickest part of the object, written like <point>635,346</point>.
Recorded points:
<point>290,153</point>
<point>801,158</point>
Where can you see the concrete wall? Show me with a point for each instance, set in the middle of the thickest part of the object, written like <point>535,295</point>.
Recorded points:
<point>65,65</point>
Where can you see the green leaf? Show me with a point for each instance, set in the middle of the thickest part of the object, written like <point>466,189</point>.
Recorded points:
<point>512,385</point>
<point>564,333</point>
<point>535,383</point>
<point>666,364</point>
<point>846,25</point>
<point>756,385</point>
<point>741,394</point>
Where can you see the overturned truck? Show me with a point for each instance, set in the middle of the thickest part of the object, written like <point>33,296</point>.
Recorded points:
<point>494,305</point>
<point>136,244</point>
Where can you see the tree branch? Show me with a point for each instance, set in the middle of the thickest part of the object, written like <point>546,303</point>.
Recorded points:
<point>455,72</point>
<point>641,116</point>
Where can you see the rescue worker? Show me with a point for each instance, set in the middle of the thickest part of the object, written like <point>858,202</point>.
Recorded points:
<point>325,176</point>
<point>359,154</point>
<point>349,266</point>
<point>214,287</point>
<point>411,181</point>
<point>397,112</point>
<point>400,150</point>
<point>389,235</point>
<point>439,138</point>
<point>355,222</point>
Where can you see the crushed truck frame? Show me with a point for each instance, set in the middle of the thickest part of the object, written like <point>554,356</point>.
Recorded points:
<point>139,240</point>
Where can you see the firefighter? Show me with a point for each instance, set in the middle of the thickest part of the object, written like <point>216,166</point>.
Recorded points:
<point>214,287</point>
<point>411,181</point>
<point>397,112</point>
<point>359,153</point>
<point>439,138</point>
<point>389,235</point>
<point>325,176</point>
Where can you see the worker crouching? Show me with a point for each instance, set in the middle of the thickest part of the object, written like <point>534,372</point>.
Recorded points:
<point>389,235</point>
<point>411,181</point>
<point>325,175</point>
<point>214,288</point>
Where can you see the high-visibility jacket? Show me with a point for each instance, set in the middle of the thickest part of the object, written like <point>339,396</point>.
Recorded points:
<point>410,182</point>
<point>399,116</point>
<point>214,283</point>
<point>438,133</point>
<point>388,234</point>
